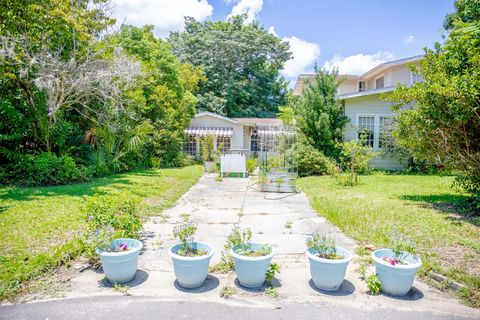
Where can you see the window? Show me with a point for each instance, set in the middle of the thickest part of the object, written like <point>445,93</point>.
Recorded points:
<point>362,86</point>
<point>190,146</point>
<point>254,143</point>
<point>384,131</point>
<point>366,126</point>
<point>380,83</point>
<point>416,78</point>
<point>223,144</point>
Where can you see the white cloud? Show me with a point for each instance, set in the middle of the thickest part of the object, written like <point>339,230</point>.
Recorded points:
<point>409,39</point>
<point>304,55</point>
<point>272,31</point>
<point>165,15</point>
<point>250,7</point>
<point>357,64</point>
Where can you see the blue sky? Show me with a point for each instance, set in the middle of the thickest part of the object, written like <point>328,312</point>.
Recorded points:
<point>350,35</point>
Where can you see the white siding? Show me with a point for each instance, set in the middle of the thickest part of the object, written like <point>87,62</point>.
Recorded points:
<point>211,121</point>
<point>370,105</point>
<point>347,86</point>
<point>401,74</point>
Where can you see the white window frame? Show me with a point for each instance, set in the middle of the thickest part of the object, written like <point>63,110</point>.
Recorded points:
<point>411,78</point>
<point>376,126</point>
<point>358,85</point>
<point>375,81</point>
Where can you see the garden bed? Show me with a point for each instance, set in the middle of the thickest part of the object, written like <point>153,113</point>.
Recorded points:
<point>418,206</point>
<point>39,225</point>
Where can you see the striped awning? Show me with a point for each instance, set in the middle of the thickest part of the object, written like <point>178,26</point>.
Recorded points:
<point>204,131</point>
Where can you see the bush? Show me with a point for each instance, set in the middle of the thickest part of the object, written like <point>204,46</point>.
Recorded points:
<point>251,165</point>
<point>45,168</point>
<point>109,218</point>
<point>310,161</point>
<point>355,156</point>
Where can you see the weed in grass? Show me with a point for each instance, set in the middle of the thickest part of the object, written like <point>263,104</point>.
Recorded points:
<point>271,292</point>
<point>228,291</point>
<point>288,225</point>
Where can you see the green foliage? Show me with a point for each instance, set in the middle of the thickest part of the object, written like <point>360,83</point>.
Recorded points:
<point>185,233</point>
<point>401,246</point>
<point>355,156</point>
<point>228,291</point>
<point>373,284</point>
<point>241,62</point>
<point>443,125</point>
<point>272,270</point>
<point>323,245</point>
<point>271,292</point>
<point>310,161</point>
<point>235,238</point>
<point>207,148</point>
<point>252,164</point>
<point>109,218</point>
<point>319,116</point>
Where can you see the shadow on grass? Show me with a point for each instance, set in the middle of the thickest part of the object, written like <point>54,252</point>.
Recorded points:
<point>446,203</point>
<point>77,189</point>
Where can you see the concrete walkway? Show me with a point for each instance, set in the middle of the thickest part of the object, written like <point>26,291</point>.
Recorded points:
<point>283,220</point>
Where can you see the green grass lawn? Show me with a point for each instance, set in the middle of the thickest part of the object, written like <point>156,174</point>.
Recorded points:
<point>38,225</point>
<point>418,206</point>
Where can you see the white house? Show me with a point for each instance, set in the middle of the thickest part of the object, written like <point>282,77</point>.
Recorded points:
<point>360,95</point>
<point>245,134</point>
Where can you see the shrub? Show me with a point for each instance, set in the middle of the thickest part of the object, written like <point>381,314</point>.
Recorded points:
<point>109,218</point>
<point>46,168</point>
<point>310,161</point>
<point>251,165</point>
<point>355,156</point>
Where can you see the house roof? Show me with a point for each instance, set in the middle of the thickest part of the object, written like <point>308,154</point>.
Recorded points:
<point>364,93</point>
<point>211,114</point>
<point>305,77</point>
<point>260,121</point>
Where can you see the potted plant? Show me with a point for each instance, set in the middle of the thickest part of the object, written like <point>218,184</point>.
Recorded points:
<point>252,261</point>
<point>396,267</point>
<point>190,259</point>
<point>328,262</point>
<point>120,259</point>
<point>208,153</point>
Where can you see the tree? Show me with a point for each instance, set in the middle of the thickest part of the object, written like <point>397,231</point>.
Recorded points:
<point>241,62</point>
<point>165,95</point>
<point>444,123</point>
<point>318,115</point>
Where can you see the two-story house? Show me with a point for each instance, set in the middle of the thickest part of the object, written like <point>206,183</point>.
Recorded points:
<point>360,95</point>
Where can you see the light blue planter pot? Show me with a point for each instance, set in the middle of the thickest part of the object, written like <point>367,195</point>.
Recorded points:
<point>251,270</point>
<point>120,267</point>
<point>396,280</point>
<point>328,274</point>
<point>191,272</point>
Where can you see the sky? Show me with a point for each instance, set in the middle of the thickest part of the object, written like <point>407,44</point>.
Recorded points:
<point>350,35</point>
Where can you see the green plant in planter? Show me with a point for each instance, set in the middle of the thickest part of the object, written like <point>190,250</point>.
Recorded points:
<point>185,233</point>
<point>324,246</point>
<point>401,246</point>
<point>245,249</point>
<point>235,238</point>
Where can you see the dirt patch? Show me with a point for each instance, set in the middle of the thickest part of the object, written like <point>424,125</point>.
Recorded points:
<point>459,257</point>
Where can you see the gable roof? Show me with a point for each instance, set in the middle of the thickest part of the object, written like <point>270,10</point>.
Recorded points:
<point>211,114</point>
<point>305,77</point>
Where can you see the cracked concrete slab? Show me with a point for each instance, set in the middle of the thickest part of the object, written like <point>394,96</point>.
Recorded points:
<point>284,220</point>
